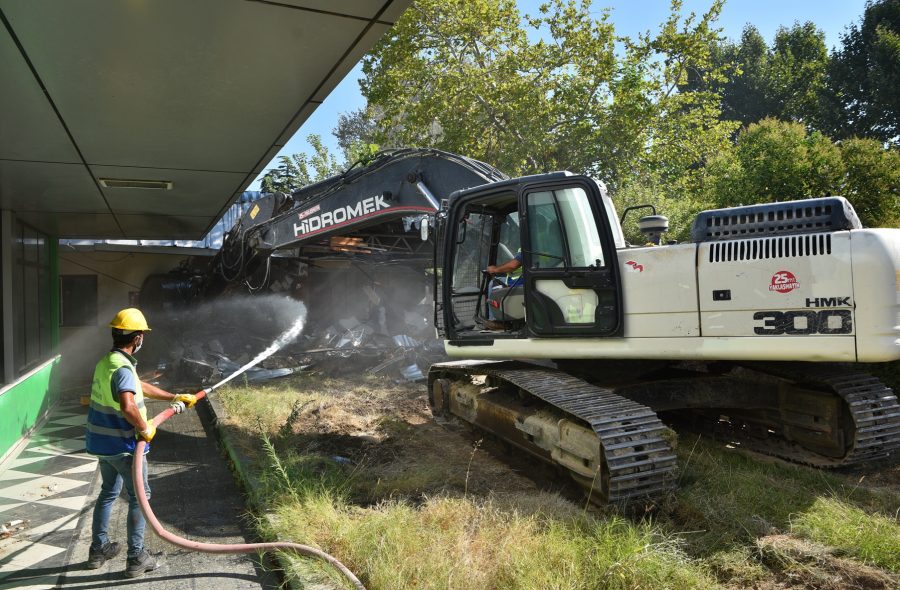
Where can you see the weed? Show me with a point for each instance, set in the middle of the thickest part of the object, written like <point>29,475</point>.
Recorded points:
<point>296,411</point>
<point>475,448</point>
<point>275,463</point>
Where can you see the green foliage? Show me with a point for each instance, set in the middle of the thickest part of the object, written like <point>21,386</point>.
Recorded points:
<point>777,161</point>
<point>679,205</point>
<point>469,76</point>
<point>796,72</point>
<point>850,93</point>
<point>744,94</point>
<point>355,134</point>
<point>873,181</point>
<point>299,170</point>
<point>864,76</point>
<point>784,81</point>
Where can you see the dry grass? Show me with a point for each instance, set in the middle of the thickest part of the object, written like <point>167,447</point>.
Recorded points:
<point>361,469</point>
<point>468,543</point>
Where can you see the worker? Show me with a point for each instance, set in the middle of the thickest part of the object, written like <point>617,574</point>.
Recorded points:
<point>116,419</point>
<point>512,268</point>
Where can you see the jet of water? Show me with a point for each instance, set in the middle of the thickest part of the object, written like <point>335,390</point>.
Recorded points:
<point>280,342</point>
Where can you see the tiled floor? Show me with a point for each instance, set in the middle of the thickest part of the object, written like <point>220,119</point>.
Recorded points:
<point>46,485</point>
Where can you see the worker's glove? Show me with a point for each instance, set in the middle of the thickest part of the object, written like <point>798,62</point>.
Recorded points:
<point>148,433</point>
<point>188,399</point>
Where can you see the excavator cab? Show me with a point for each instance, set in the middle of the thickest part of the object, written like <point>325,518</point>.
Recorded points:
<point>558,227</point>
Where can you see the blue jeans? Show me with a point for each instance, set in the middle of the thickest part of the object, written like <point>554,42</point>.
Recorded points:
<point>114,471</point>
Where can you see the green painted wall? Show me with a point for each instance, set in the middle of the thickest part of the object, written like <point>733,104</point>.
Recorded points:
<point>25,402</point>
<point>53,285</point>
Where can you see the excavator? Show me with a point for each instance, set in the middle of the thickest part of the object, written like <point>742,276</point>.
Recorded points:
<point>753,331</point>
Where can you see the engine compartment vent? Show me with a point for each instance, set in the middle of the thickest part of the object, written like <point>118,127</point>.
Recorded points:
<point>778,219</point>
<point>769,248</point>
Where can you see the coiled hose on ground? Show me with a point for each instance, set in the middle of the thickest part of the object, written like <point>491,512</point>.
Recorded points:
<point>137,472</point>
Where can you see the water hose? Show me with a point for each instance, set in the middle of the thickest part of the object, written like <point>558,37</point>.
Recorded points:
<point>137,472</point>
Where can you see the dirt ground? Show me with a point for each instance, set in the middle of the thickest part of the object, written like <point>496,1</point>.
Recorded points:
<point>388,431</point>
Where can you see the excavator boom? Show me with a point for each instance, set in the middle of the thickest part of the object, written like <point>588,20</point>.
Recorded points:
<point>396,185</point>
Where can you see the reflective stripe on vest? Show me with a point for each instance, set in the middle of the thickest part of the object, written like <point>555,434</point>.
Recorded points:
<point>108,432</point>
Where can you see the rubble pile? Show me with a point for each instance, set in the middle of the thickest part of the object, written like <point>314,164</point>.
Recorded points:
<point>213,340</point>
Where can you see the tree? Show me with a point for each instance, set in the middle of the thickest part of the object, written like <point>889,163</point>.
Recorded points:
<point>778,161</point>
<point>299,170</point>
<point>547,92</point>
<point>864,76</point>
<point>872,182</point>
<point>355,134</point>
<point>796,73</point>
<point>745,94</point>
<point>785,81</point>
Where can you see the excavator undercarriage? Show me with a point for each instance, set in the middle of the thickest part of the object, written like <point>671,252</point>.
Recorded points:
<point>610,434</point>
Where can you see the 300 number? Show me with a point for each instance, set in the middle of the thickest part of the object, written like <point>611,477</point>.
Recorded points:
<point>804,323</point>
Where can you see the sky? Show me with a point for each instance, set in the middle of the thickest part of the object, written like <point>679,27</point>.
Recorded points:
<point>630,17</point>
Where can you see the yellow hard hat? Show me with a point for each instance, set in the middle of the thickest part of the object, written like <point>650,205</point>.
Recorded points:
<point>130,320</point>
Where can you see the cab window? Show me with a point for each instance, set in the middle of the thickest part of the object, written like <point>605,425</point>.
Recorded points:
<point>562,230</point>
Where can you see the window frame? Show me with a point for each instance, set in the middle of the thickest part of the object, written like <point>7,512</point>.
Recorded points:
<point>87,321</point>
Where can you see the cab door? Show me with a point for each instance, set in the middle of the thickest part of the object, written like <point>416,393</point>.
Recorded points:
<point>571,277</point>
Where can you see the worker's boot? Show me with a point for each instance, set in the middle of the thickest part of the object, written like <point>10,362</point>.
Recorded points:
<point>97,557</point>
<point>136,566</point>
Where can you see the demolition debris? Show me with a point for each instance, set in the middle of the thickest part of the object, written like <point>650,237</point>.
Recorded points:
<point>213,340</point>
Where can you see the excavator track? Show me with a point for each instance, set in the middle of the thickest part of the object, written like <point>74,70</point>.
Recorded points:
<point>867,424</point>
<point>629,456</point>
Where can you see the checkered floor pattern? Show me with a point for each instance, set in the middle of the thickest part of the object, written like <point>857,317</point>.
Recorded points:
<point>46,485</point>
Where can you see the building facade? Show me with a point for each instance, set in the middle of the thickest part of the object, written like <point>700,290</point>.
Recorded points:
<point>30,328</point>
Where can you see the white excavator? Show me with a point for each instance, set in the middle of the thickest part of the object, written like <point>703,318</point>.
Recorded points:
<point>753,331</point>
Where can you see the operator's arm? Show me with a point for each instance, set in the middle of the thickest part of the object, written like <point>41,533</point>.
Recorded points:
<point>505,267</point>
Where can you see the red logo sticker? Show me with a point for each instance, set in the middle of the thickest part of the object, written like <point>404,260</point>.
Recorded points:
<point>635,267</point>
<point>308,212</point>
<point>783,281</point>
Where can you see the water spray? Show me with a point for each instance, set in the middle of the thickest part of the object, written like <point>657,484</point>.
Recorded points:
<point>279,343</point>
<point>137,472</point>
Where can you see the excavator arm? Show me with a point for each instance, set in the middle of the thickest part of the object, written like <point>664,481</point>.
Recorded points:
<point>397,184</point>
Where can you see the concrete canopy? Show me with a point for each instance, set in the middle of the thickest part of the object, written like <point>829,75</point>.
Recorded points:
<point>199,93</point>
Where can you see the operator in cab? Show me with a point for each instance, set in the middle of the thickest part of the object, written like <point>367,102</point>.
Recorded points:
<point>512,268</point>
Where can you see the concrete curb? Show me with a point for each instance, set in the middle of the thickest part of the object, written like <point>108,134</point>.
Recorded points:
<point>212,412</point>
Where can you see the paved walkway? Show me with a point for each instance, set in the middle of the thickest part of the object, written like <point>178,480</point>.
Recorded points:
<point>52,485</point>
